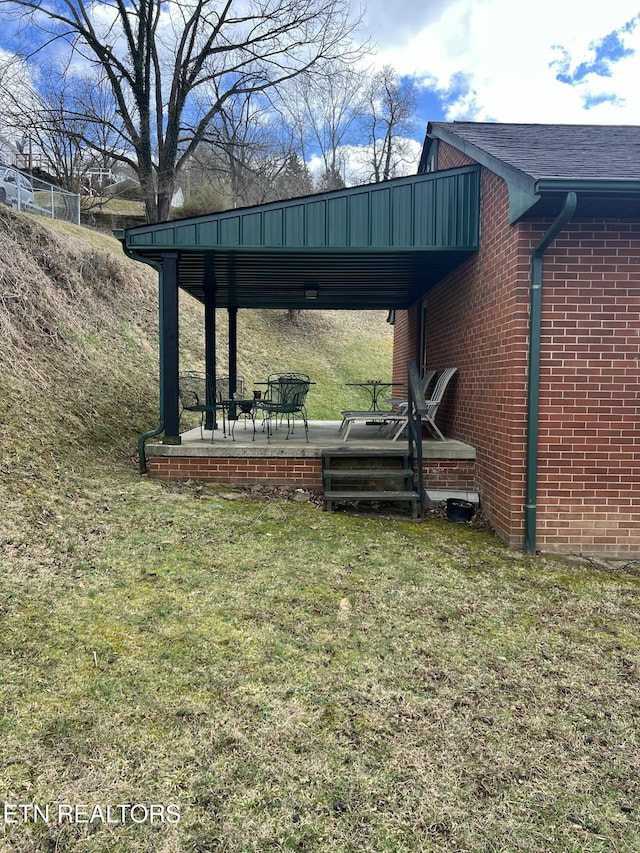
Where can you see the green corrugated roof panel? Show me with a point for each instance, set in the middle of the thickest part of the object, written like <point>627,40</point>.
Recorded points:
<point>374,246</point>
<point>420,212</point>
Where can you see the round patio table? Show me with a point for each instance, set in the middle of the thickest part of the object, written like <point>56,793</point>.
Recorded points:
<point>374,387</point>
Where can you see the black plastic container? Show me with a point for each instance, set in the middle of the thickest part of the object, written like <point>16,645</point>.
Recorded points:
<point>459,510</point>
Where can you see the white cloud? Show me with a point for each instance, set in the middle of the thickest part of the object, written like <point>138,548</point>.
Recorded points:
<point>498,60</point>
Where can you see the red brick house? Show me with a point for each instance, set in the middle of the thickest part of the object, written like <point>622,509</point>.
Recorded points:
<point>513,255</point>
<point>543,324</point>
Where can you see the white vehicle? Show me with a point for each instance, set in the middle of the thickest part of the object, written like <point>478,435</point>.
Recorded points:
<point>15,188</point>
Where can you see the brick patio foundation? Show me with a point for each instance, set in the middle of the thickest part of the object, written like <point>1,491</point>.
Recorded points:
<point>297,472</point>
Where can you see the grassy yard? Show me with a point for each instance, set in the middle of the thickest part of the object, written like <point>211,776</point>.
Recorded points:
<point>186,670</point>
<point>279,678</point>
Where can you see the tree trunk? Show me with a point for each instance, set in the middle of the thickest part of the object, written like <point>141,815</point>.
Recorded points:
<point>164,204</point>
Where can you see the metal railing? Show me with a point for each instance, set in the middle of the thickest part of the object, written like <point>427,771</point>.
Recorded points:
<point>33,195</point>
<point>415,409</point>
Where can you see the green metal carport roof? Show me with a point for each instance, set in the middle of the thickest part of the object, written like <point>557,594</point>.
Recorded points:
<point>378,246</point>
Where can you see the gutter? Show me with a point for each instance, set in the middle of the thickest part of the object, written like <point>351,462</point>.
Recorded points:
<point>142,459</point>
<point>533,382</point>
<point>616,187</point>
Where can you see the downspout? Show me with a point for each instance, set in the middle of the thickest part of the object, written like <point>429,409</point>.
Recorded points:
<point>142,459</point>
<point>533,384</point>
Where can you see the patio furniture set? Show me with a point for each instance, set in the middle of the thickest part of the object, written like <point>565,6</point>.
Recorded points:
<point>284,398</point>
<point>393,422</point>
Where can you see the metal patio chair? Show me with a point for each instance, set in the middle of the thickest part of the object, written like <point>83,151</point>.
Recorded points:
<point>383,418</point>
<point>425,383</point>
<point>223,387</point>
<point>223,398</point>
<point>197,394</point>
<point>432,405</point>
<point>285,397</point>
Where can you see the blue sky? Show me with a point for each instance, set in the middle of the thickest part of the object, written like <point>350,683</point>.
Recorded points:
<point>555,61</point>
<point>572,61</point>
<point>566,61</point>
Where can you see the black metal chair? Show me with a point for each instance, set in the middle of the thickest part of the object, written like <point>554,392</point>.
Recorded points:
<point>197,394</point>
<point>224,398</point>
<point>285,397</point>
<point>223,387</point>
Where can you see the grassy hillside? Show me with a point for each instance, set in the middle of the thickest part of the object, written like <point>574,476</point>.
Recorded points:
<point>78,344</point>
<point>79,361</point>
<point>332,347</point>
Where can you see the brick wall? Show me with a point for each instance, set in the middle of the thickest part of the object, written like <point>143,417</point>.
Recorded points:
<point>589,465</point>
<point>456,474</point>
<point>294,472</point>
<point>451,158</point>
<point>405,346</point>
<point>589,472</point>
<point>477,322</point>
<point>298,472</point>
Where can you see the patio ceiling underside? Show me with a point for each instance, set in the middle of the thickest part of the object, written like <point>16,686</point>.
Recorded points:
<point>342,279</point>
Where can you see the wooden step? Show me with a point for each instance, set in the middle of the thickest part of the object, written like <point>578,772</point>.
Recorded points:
<point>368,475</point>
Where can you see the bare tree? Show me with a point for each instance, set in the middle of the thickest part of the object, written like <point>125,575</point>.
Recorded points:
<point>92,97</point>
<point>158,56</point>
<point>259,153</point>
<point>388,124</point>
<point>249,158</point>
<point>246,148</point>
<point>323,112</point>
<point>57,139</point>
<point>15,88</point>
<point>51,128</point>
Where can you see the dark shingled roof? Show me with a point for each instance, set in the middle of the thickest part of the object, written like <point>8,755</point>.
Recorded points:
<point>573,151</point>
<point>541,163</point>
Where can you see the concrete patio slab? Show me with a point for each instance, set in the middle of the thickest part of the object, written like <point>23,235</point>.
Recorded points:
<point>323,435</point>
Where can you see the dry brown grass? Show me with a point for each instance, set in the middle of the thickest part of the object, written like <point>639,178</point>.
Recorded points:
<point>55,285</point>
